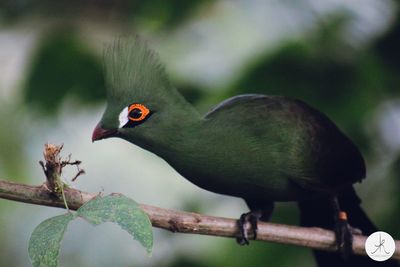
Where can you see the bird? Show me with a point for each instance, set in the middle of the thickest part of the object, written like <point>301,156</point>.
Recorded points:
<point>261,148</point>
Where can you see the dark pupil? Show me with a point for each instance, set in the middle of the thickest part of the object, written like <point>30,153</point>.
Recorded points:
<point>135,113</point>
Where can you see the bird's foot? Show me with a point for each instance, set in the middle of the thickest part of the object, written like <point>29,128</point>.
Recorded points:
<point>344,235</point>
<point>252,218</point>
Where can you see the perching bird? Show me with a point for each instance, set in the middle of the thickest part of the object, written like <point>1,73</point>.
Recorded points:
<point>257,147</point>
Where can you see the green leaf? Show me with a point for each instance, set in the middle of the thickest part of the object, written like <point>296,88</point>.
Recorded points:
<point>44,244</point>
<point>123,211</point>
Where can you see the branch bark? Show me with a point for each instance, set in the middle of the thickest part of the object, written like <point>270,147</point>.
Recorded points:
<point>188,222</point>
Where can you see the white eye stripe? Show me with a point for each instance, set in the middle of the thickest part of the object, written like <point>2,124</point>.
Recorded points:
<point>123,117</point>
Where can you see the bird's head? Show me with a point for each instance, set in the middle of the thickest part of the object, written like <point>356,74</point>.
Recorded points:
<point>140,97</point>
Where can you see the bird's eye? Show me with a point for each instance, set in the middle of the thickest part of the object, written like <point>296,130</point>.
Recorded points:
<point>133,115</point>
<point>137,112</point>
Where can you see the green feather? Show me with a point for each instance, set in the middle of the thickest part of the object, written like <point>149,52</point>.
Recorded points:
<point>269,147</point>
<point>132,68</point>
<point>135,74</point>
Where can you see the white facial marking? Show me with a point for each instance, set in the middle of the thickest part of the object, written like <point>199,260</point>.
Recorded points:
<point>123,117</point>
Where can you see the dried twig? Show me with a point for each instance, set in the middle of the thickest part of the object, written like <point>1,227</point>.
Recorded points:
<point>54,166</point>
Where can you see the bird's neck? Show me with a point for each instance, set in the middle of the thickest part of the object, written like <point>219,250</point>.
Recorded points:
<point>176,129</point>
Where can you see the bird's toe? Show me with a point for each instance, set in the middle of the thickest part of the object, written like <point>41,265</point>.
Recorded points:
<point>251,218</point>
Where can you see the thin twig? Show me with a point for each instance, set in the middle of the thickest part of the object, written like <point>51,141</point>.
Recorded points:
<point>187,222</point>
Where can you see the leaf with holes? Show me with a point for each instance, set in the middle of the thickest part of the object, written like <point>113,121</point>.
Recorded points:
<point>122,210</point>
<point>45,241</point>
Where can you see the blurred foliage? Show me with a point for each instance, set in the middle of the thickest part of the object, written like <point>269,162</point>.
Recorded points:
<point>387,49</point>
<point>257,254</point>
<point>11,144</point>
<point>166,14</point>
<point>63,67</point>
<point>387,46</point>
<point>185,261</point>
<point>160,14</point>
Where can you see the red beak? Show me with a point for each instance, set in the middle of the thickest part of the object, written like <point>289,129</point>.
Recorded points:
<point>101,133</point>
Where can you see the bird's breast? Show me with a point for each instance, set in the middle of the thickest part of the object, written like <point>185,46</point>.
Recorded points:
<point>223,174</point>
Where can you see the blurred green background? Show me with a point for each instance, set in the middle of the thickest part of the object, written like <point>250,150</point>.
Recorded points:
<point>342,57</point>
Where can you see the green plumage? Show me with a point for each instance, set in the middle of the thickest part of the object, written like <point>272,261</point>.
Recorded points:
<point>251,146</point>
<point>129,63</point>
<point>257,147</point>
<point>134,73</point>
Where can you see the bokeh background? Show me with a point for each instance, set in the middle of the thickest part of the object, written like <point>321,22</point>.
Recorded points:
<point>340,56</point>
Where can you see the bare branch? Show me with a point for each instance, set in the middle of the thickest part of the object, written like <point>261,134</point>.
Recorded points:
<point>187,222</point>
<point>79,173</point>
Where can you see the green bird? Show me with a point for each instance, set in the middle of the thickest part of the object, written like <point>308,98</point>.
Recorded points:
<point>257,147</point>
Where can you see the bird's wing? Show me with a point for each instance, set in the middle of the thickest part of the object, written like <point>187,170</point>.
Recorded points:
<point>306,145</point>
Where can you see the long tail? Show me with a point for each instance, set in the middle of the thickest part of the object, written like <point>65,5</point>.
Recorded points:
<point>319,213</point>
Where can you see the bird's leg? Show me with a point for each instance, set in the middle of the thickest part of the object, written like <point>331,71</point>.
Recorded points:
<point>249,217</point>
<point>343,231</point>
<point>259,210</point>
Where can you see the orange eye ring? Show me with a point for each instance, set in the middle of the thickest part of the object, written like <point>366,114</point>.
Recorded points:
<point>141,113</point>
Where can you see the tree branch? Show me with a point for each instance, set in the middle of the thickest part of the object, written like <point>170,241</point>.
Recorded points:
<point>187,222</point>
<point>48,194</point>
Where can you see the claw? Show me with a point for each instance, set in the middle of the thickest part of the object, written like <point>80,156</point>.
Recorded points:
<point>253,222</point>
<point>252,218</point>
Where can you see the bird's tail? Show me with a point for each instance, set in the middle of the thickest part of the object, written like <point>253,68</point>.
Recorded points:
<point>319,213</point>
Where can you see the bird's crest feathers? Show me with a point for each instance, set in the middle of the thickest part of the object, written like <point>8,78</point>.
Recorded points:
<point>133,69</point>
